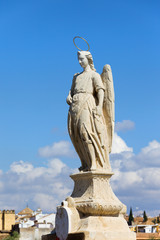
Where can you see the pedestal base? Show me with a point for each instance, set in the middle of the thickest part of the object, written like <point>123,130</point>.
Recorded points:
<point>105,228</point>
<point>93,212</point>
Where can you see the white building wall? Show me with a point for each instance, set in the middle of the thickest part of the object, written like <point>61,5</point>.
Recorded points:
<point>33,233</point>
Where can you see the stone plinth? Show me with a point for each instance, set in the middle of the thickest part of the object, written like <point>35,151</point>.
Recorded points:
<point>105,228</point>
<point>99,228</point>
<point>93,212</point>
<point>93,194</point>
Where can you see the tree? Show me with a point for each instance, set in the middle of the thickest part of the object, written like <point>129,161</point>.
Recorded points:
<point>14,236</point>
<point>158,221</point>
<point>154,221</point>
<point>131,218</point>
<point>145,218</point>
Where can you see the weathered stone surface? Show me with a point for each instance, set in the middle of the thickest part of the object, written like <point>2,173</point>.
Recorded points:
<point>91,114</point>
<point>93,194</point>
<point>71,236</point>
<point>102,228</point>
<point>67,219</point>
<point>93,212</point>
<point>106,228</point>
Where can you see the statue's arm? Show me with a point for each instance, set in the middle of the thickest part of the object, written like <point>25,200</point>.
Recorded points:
<point>100,96</point>
<point>69,98</point>
<point>100,92</point>
<point>70,95</point>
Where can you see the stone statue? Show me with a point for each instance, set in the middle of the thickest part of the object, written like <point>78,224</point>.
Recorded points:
<point>92,211</point>
<point>91,114</point>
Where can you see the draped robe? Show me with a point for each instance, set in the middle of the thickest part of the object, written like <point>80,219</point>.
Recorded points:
<point>87,129</point>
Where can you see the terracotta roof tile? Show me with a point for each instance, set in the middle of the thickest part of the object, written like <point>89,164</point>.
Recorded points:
<point>26,211</point>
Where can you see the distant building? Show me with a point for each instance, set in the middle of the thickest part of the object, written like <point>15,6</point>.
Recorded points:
<point>26,212</point>
<point>34,224</point>
<point>145,230</point>
<point>7,220</point>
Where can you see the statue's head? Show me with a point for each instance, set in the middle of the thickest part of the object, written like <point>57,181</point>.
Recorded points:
<point>85,58</point>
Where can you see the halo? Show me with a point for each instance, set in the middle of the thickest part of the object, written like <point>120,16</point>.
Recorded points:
<point>83,40</point>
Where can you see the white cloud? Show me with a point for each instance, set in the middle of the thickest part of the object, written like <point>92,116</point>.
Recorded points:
<point>150,154</point>
<point>151,177</point>
<point>21,167</point>
<point>128,179</point>
<point>38,186</point>
<point>62,148</point>
<point>125,125</point>
<point>137,176</point>
<point>119,145</point>
<point>154,145</point>
<point>150,213</point>
<point>135,182</point>
<point>1,186</point>
<point>46,201</point>
<point>56,165</point>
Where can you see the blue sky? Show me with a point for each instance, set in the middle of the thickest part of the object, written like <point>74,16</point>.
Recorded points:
<point>37,63</point>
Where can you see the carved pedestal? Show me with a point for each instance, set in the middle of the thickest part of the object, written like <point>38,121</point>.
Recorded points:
<point>93,194</point>
<point>93,211</point>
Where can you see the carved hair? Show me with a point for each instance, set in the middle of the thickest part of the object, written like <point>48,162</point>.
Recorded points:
<point>89,57</point>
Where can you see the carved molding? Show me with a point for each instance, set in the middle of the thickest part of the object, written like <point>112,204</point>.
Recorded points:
<point>93,194</point>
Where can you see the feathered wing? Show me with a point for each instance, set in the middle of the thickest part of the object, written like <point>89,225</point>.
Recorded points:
<point>108,106</point>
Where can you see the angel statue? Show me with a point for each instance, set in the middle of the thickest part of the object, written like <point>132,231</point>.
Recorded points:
<point>91,114</point>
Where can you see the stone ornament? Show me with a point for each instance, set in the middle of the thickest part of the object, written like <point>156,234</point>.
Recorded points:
<point>83,40</point>
<point>67,218</point>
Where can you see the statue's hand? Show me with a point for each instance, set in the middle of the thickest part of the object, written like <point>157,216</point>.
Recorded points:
<point>99,110</point>
<point>69,99</point>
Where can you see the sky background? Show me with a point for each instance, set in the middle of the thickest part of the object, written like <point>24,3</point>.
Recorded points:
<point>37,62</point>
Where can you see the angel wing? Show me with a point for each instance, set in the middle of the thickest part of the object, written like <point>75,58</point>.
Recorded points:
<point>108,105</point>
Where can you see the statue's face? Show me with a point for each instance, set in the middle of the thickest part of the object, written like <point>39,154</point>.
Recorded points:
<point>83,61</point>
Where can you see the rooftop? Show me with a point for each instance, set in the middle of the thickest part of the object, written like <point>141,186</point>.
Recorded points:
<point>26,211</point>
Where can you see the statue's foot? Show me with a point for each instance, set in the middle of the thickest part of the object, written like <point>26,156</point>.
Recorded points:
<point>80,169</point>
<point>84,169</point>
